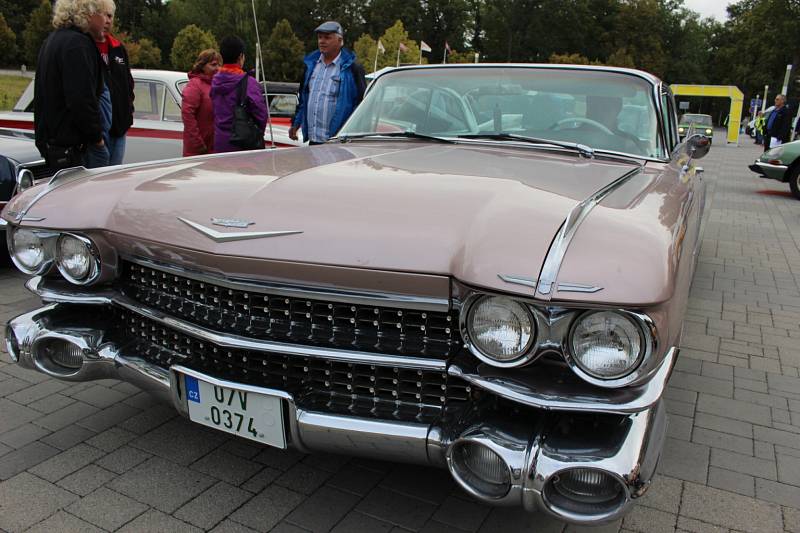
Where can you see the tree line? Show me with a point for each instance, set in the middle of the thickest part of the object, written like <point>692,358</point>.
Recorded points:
<point>749,50</point>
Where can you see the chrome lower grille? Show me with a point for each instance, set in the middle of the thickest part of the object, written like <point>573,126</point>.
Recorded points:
<point>290,319</point>
<point>362,389</point>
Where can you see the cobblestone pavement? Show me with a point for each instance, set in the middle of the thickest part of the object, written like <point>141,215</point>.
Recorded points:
<point>103,456</point>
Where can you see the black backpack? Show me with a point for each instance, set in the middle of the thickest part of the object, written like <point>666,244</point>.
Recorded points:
<point>245,133</point>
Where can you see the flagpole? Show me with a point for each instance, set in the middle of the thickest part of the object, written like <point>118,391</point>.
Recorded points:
<point>420,54</point>
<point>398,55</point>
<point>375,67</point>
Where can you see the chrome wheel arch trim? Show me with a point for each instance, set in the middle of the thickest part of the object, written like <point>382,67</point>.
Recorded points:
<point>558,248</point>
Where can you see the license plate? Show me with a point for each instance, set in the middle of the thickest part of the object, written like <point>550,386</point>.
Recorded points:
<point>244,413</point>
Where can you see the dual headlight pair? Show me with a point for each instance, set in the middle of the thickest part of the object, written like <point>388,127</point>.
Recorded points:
<point>35,251</point>
<point>606,345</point>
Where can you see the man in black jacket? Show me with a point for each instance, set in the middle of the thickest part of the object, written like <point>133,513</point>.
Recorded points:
<point>69,81</point>
<point>779,123</point>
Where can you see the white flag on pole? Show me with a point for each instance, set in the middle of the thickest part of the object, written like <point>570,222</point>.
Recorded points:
<point>424,47</point>
<point>381,49</point>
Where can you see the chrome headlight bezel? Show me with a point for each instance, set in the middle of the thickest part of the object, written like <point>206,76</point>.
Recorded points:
<point>646,330</point>
<point>48,240</point>
<point>93,256</point>
<point>526,354</point>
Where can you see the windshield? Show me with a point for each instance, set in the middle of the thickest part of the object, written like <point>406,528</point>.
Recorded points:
<point>704,120</point>
<point>602,110</point>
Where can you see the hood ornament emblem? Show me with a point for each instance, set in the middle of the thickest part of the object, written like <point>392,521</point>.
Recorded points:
<point>218,236</point>
<point>231,222</point>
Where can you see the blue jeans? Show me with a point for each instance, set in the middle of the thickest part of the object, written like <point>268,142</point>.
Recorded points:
<point>95,156</point>
<point>116,149</point>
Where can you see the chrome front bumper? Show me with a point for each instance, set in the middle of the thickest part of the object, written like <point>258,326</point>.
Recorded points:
<point>625,446</point>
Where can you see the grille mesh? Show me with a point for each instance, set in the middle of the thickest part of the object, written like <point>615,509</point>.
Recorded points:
<point>297,320</point>
<point>320,384</point>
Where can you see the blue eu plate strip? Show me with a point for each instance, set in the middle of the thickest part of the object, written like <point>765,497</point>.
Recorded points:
<point>192,389</point>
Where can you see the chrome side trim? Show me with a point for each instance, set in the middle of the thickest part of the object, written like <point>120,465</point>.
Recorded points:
<point>558,249</point>
<point>220,237</point>
<point>518,280</point>
<point>542,390</point>
<point>771,166</point>
<point>420,303</point>
<point>578,287</point>
<point>37,285</point>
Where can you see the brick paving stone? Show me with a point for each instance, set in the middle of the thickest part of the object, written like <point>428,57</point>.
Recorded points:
<point>11,385</point>
<point>123,459</point>
<point>788,470</point>
<point>326,461</point>
<point>13,415</point>
<point>86,480</point>
<point>100,396</point>
<point>37,392</point>
<point>724,441</point>
<point>303,479</point>
<point>791,518</point>
<point>161,484</point>
<point>66,462</point>
<point>465,514</point>
<point>696,526</point>
<point>280,459</point>
<point>356,522</point>
<point>356,479</point>
<point>261,479</point>
<point>267,508</point>
<point>684,460</point>
<point>29,455</point>
<point>780,493</point>
<point>51,403</point>
<point>229,526</point>
<point>516,520</point>
<point>405,479</point>
<point>399,509</point>
<point>733,481</point>
<point>664,494</point>
<point>323,509</point>
<point>180,441</point>
<point>67,437</point>
<point>149,419</point>
<point>106,508</point>
<point>745,464</point>
<point>212,506</point>
<point>702,384</point>
<point>730,510</point>
<point>66,416</point>
<point>649,520</point>
<point>111,439</point>
<point>724,425</point>
<point>227,467</point>
<point>26,499</point>
<point>738,410</point>
<point>432,526</point>
<point>108,417</point>
<point>777,436</point>
<point>22,435</point>
<point>154,521</point>
<point>63,523</point>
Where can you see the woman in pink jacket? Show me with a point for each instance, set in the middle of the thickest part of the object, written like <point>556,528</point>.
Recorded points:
<point>196,109</point>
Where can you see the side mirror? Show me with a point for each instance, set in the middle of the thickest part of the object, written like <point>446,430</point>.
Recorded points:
<point>697,146</point>
<point>24,180</point>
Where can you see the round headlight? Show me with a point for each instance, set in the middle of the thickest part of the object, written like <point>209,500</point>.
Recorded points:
<point>76,259</point>
<point>709,132</point>
<point>30,252</point>
<point>606,344</point>
<point>501,329</point>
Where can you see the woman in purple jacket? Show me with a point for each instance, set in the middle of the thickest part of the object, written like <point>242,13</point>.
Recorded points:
<point>225,94</point>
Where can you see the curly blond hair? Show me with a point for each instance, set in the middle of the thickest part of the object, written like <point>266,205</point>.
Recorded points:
<point>68,13</point>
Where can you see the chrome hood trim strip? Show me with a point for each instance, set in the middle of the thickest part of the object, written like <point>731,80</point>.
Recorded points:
<point>220,237</point>
<point>38,285</point>
<point>558,249</point>
<point>419,303</point>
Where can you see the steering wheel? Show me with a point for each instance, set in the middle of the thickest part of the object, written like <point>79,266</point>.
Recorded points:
<point>582,120</point>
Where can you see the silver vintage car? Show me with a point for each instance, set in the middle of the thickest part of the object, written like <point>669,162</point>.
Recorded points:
<point>486,271</point>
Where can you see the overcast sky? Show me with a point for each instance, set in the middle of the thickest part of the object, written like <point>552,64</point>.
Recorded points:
<point>709,8</point>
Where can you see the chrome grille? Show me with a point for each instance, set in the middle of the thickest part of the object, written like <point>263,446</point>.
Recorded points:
<point>314,322</point>
<point>321,384</point>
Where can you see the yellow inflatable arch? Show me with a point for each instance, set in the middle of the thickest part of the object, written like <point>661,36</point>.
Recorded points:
<point>718,91</point>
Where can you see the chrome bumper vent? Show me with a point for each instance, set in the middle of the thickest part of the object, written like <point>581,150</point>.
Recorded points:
<point>321,323</point>
<point>322,384</point>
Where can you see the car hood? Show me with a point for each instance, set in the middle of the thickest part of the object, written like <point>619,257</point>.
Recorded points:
<point>469,211</point>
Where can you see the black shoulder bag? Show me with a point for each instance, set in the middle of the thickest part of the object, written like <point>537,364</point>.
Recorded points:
<point>245,133</point>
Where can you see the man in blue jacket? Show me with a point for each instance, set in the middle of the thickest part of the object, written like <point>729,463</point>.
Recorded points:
<point>333,84</point>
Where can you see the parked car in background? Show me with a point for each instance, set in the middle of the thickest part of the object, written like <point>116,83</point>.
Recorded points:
<point>702,124</point>
<point>484,271</point>
<point>157,129</point>
<point>781,163</point>
<point>18,153</point>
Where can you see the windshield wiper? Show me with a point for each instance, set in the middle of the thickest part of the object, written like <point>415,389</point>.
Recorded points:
<point>405,134</point>
<point>582,149</point>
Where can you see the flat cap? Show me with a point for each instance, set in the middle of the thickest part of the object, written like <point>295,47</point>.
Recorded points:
<point>330,27</point>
